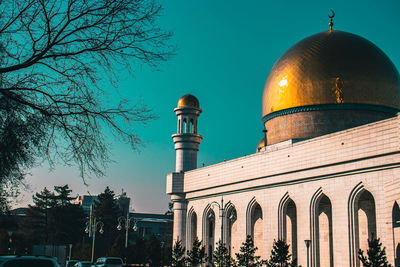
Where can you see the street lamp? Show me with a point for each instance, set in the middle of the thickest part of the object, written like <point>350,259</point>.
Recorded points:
<point>126,222</point>
<point>221,208</point>
<point>308,243</point>
<point>92,225</point>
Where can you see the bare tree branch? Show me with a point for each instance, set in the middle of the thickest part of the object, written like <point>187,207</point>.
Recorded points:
<point>53,54</point>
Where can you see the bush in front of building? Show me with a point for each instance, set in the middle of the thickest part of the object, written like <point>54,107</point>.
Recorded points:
<point>376,255</point>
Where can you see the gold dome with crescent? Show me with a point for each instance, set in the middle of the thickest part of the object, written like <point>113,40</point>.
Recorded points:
<point>331,67</point>
<point>188,100</point>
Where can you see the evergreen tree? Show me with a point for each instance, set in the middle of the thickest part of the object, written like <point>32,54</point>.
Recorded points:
<point>221,256</point>
<point>376,255</point>
<point>107,211</point>
<point>67,219</point>
<point>62,195</point>
<point>53,218</point>
<point>39,217</point>
<point>246,257</point>
<point>280,256</point>
<point>178,253</point>
<point>197,255</point>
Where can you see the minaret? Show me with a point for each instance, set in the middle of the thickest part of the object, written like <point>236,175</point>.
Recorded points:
<point>187,142</point>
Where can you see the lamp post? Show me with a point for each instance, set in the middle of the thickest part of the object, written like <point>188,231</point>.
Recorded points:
<point>126,221</point>
<point>308,243</point>
<point>221,208</point>
<point>92,225</point>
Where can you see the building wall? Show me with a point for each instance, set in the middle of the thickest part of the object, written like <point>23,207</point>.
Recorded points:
<point>335,165</point>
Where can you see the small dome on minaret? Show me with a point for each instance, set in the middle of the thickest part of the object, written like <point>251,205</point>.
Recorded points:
<point>188,100</point>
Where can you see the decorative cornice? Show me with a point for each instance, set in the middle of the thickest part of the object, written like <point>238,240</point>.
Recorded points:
<point>323,107</point>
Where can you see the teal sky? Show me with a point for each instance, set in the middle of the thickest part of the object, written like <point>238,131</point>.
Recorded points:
<point>225,52</point>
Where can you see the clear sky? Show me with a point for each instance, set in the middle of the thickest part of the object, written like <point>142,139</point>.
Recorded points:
<point>226,49</point>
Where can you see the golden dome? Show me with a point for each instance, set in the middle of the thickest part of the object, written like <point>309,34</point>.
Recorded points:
<point>188,101</point>
<point>331,67</point>
<point>326,83</point>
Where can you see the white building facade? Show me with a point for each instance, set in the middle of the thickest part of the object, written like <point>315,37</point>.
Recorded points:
<point>335,187</point>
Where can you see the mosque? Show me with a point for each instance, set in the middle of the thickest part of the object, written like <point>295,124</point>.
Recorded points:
<point>324,178</point>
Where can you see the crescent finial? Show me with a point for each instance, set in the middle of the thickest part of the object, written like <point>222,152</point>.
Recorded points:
<point>333,14</point>
<point>330,20</point>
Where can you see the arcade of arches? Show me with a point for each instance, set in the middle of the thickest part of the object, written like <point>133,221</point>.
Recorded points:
<point>362,221</point>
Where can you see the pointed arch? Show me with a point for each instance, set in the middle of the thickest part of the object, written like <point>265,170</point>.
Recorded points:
<point>184,126</point>
<point>209,231</point>
<point>249,209</point>
<point>321,230</point>
<point>254,223</point>
<point>232,236</point>
<point>287,223</point>
<point>191,128</point>
<point>362,220</point>
<point>191,228</point>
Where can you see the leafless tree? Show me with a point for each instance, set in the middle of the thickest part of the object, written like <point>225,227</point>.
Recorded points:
<point>54,56</point>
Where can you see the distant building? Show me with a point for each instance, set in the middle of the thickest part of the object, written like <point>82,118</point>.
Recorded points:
<point>18,212</point>
<point>149,224</point>
<point>123,202</point>
<point>85,201</point>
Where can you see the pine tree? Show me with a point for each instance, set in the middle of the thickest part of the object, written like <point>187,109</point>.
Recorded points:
<point>107,211</point>
<point>68,219</point>
<point>197,255</point>
<point>246,257</point>
<point>62,197</point>
<point>221,256</point>
<point>53,218</point>
<point>376,256</point>
<point>39,216</point>
<point>280,256</point>
<point>177,257</point>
